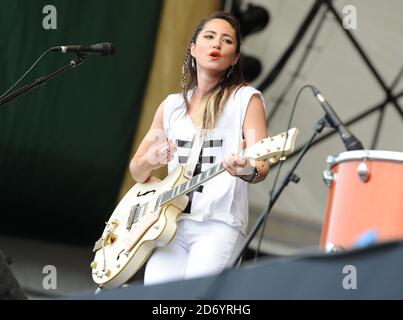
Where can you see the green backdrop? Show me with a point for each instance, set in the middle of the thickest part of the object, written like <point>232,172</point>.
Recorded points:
<point>65,146</point>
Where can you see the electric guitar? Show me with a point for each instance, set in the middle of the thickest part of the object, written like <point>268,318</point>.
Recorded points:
<point>146,216</point>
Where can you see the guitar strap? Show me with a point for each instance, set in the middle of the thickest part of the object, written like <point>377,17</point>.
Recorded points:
<point>194,154</point>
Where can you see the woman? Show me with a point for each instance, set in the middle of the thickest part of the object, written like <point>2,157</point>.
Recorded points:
<point>214,98</point>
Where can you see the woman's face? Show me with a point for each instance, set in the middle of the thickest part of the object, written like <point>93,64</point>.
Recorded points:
<point>215,47</point>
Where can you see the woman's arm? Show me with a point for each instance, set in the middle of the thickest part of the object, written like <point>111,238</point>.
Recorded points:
<point>155,149</point>
<point>254,129</point>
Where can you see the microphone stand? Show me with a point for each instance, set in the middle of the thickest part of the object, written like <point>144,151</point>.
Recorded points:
<point>291,176</point>
<point>212,285</point>
<point>25,89</point>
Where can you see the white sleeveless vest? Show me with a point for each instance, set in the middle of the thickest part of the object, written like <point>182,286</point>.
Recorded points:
<point>224,197</point>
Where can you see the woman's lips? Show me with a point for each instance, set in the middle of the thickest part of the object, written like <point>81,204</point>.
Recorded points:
<point>215,55</point>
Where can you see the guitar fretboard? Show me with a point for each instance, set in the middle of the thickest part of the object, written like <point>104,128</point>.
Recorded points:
<point>190,185</point>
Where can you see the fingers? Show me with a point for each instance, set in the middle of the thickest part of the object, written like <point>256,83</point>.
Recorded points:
<point>234,164</point>
<point>161,154</point>
<point>166,152</point>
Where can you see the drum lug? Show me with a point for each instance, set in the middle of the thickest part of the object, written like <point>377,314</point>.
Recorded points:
<point>363,172</point>
<point>328,176</point>
<point>333,248</point>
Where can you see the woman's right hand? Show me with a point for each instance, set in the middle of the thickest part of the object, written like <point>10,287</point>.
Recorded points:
<point>159,155</point>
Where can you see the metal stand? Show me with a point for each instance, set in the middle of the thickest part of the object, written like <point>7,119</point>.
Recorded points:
<point>213,284</point>
<point>291,176</point>
<point>72,65</point>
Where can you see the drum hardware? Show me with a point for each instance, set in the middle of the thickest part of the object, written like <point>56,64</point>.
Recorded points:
<point>364,201</point>
<point>363,171</point>
<point>332,248</point>
<point>328,176</point>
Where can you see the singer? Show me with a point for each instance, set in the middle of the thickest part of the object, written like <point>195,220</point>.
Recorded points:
<point>215,99</point>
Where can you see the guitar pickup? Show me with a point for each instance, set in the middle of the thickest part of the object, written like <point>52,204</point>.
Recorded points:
<point>134,216</point>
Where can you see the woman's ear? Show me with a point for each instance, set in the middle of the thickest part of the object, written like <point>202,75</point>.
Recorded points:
<point>236,59</point>
<point>192,47</point>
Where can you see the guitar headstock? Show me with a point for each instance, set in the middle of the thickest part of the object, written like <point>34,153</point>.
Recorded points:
<point>274,148</point>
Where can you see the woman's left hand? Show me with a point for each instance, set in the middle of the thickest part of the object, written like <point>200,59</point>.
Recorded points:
<point>236,166</point>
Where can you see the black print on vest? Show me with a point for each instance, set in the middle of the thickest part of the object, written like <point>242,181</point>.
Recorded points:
<point>202,159</point>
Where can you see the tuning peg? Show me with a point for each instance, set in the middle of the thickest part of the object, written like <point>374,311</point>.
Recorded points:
<point>283,158</point>
<point>273,160</point>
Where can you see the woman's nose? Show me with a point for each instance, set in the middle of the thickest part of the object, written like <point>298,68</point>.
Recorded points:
<point>217,44</point>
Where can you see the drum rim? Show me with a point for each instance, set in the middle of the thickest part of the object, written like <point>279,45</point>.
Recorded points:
<point>380,155</point>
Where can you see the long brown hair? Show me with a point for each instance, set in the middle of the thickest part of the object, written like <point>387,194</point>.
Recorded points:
<point>214,101</point>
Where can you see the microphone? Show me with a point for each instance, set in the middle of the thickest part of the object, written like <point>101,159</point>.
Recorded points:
<point>100,49</point>
<point>349,140</point>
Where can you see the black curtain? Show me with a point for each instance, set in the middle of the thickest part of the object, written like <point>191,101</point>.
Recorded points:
<point>65,146</point>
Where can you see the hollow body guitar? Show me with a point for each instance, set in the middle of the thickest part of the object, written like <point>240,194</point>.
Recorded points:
<point>146,216</point>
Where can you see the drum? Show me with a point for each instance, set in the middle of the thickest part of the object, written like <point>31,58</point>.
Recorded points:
<point>365,195</point>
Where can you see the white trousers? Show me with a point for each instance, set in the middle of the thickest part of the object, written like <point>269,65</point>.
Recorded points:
<point>198,249</point>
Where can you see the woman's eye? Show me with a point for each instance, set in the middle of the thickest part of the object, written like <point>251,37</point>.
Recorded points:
<point>228,41</point>
<point>208,37</point>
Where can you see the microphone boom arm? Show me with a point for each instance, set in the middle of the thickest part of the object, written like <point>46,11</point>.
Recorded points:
<point>25,89</point>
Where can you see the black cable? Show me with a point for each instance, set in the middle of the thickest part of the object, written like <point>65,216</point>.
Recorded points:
<point>281,164</point>
<point>25,74</point>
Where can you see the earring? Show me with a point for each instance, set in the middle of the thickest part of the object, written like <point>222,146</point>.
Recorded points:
<point>193,63</point>
<point>231,70</point>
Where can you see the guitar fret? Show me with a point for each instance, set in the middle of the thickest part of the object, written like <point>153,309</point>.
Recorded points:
<point>177,191</point>
<point>173,193</point>
<point>203,176</point>
<point>190,184</point>
<point>187,185</point>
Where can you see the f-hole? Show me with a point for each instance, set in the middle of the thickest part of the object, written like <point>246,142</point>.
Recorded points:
<point>145,193</point>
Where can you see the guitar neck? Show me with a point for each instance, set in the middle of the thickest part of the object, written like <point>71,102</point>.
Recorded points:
<point>275,148</point>
<point>190,185</point>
